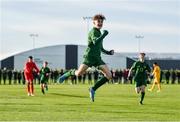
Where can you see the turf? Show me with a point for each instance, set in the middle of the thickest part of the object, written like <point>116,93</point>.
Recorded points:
<point>72,103</point>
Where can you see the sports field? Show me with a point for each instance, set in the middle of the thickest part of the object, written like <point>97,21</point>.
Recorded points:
<point>71,102</point>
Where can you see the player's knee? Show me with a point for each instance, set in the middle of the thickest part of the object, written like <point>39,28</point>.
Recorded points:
<point>109,76</point>
<point>143,90</point>
<point>78,73</point>
<point>137,91</point>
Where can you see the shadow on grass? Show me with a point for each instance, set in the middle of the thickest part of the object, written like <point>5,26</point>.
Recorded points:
<point>133,112</point>
<point>69,95</point>
<point>21,104</point>
<point>72,104</point>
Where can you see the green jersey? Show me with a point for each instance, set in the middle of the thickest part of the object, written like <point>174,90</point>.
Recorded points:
<point>92,56</point>
<point>95,46</point>
<point>140,70</point>
<point>43,73</point>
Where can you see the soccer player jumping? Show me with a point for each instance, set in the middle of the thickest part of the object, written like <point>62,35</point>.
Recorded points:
<point>140,69</point>
<point>92,56</point>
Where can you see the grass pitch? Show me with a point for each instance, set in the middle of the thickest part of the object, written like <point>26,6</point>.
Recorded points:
<point>72,103</point>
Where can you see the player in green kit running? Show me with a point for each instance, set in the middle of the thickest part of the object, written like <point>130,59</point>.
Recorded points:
<point>44,74</point>
<point>92,56</point>
<point>140,69</point>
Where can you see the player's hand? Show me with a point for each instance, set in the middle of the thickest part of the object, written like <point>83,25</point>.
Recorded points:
<point>151,76</point>
<point>105,32</point>
<point>111,52</point>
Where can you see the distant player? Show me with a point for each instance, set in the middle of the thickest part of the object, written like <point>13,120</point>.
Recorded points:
<point>157,74</point>
<point>92,56</point>
<point>44,75</point>
<point>140,69</point>
<point>29,68</point>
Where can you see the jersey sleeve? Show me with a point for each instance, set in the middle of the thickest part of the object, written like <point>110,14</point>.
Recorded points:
<point>48,70</point>
<point>133,66</point>
<point>36,68</point>
<point>105,51</point>
<point>41,71</point>
<point>27,68</point>
<point>24,67</point>
<point>96,37</point>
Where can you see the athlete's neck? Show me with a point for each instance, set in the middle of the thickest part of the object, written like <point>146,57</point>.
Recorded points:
<point>141,60</point>
<point>96,28</point>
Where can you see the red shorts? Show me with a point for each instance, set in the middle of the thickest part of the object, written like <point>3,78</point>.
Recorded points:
<point>29,77</point>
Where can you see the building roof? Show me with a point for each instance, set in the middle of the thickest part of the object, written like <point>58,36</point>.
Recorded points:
<point>169,56</point>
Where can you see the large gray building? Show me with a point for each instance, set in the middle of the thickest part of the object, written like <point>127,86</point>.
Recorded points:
<point>71,56</point>
<point>59,56</point>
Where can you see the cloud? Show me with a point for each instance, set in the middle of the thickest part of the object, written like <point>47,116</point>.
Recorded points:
<point>159,7</point>
<point>62,19</point>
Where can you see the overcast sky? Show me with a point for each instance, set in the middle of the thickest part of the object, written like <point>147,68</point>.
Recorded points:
<point>61,22</point>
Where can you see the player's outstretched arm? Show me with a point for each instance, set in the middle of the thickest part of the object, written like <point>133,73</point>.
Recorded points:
<point>36,68</point>
<point>132,69</point>
<point>129,74</point>
<point>111,52</point>
<point>96,39</point>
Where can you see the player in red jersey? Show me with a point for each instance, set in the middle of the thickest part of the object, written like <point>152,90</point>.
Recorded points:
<point>29,68</point>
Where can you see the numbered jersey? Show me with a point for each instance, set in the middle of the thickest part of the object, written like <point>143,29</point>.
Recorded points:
<point>140,70</point>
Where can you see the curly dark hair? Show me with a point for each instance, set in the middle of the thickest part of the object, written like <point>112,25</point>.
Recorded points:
<point>98,17</point>
<point>155,63</point>
<point>46,62</point>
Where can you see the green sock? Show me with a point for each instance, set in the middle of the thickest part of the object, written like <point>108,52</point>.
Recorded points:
<point>43,91</point>
<point>70,73</point>
<point>142,96</point>
<point>99,83</point>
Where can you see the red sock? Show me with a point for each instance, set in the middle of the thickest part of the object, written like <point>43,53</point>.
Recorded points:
<point>32,88</point>
<point>28,88</point>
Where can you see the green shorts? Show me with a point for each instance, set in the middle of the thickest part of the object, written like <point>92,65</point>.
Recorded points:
<point>140,83</point>
<point>43,79</point>
<point>93,61</point>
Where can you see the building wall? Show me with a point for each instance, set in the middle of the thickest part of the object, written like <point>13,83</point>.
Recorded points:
<point>57,58</point>
<point>167,64</point>
<point>115,61</point>
<point>8,63</point>
<point>71,56</point>
<point>54,55</point>
<point>81,50</point>
<point>164,64</point>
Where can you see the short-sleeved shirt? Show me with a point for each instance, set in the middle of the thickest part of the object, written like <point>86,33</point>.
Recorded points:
<point>43,74</point>
<point>140,70</point>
